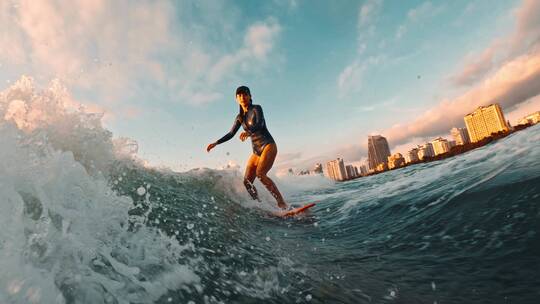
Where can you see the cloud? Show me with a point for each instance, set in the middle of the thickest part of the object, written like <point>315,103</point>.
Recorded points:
<point>350,79</point>
<point>258,42</point>
<point>513,83</point>
<point>402,29</point>
<point>12,49</point>
<point>523,109</point>
<point>475,68</point>
<point>290,5</point>
<point>423,12</point>
<point>526,34</point>
<point>368,11</point>
<point>166,44</point>
<point>287,157</point>
<point>367,15</point>
<point>527,26</point>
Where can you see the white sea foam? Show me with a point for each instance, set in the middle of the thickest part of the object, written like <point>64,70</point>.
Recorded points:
<point>65,234</point>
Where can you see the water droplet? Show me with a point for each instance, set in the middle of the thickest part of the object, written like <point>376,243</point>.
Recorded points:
<point>190,226</point>
<point>268,239</point>
<point>199,214</point>
<point>141,191</point>
<point>309,297</point>
<point>316,224</point>
<point>433,286</point>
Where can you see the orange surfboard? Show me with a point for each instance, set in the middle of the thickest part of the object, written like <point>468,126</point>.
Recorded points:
<point>295,211</point>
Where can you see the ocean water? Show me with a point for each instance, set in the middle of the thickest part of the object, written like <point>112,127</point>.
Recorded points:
<point>86,221</point>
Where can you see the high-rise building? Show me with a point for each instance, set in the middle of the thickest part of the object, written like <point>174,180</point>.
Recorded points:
<point>440,145</point>
<point>351,172</point>
<point>460,135</point>
<point>412,155</point>
<point>484,121</point>
<point>425,150</point>
<point>378,151</point>
<point>335,169</point>
<point>396,161</point>
<point>362,170</point>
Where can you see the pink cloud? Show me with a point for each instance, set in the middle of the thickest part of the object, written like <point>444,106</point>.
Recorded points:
<point>523,109</point>
<point>514,82</point>
<point>525,35</point>
<point>475,68</point>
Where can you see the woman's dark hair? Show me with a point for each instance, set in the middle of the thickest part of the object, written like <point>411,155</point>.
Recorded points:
<point>245,90</point>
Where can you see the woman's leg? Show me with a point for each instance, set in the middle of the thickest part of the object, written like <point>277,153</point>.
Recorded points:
<point>249,176</point>
<point>266,160</point>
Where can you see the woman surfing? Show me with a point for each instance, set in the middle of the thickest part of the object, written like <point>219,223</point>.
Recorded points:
<point>251,118</point>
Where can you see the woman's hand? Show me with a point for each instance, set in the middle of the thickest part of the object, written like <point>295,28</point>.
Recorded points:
<point>244,135</point>
<point>210,147</point>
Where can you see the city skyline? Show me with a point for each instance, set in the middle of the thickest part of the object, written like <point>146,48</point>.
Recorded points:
<point>482,123</point>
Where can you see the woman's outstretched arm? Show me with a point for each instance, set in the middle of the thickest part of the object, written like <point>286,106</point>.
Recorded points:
<point>226,137</point>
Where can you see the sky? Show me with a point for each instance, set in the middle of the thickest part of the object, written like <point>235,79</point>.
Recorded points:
<point>326,73</point>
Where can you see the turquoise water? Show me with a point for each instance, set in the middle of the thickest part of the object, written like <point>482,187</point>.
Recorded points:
<point>85,221</point>
<point>463,230</point>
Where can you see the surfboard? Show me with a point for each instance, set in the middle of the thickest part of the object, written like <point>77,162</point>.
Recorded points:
<point>295,211</point>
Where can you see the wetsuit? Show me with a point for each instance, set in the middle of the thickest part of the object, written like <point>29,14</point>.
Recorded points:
<point>253,122</point>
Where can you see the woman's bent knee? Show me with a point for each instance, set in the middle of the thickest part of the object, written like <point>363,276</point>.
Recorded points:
<point>261,175</point>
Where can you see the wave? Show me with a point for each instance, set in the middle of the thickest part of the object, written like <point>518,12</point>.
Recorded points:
<point>86,221</point>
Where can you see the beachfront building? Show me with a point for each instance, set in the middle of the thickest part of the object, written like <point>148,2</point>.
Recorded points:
<point>381,167</point>
<point>484,121</point>
<point>362,169</point>
<point>425,150</point>
<point>378,151</point>
<point>460,135</point>
<point>351,170</point>
<point>396,161</point>
<point>335,169</point>
<point>440,146</point>
<point>532,119</point>
<point>412,155</point>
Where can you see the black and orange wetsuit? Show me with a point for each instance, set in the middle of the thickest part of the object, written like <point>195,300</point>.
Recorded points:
<point>253,122</point>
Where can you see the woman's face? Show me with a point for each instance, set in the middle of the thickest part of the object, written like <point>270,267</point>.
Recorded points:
<point>243,99</point>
